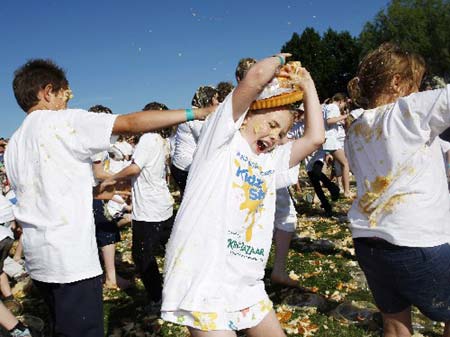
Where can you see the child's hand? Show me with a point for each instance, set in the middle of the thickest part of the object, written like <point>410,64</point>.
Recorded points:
<point>300,77</point>
<point>107,185</point>
<point>202,113</point>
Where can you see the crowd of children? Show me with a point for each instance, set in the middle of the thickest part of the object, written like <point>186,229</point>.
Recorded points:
<point>73,181</point>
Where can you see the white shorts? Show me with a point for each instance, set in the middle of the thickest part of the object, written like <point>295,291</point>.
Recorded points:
<point>210,321</point>
<point>285,213</point>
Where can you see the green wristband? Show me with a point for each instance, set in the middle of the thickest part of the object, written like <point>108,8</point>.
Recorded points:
<point>282,60</point>
<point>190,116</point>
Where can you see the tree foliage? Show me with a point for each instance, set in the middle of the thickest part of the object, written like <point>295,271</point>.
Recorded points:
<point>331,58</point>
<point>422,26</point>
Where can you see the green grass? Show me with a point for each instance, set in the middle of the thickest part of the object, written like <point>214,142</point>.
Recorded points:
<point>326,271</point>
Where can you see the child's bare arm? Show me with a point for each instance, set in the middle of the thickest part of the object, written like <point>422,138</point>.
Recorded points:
<point>253,83</point>
<point>151,120</point>
<point>99,172</point>
<point>314,135</point>
<point>334,120</point>
<point>128,172</point>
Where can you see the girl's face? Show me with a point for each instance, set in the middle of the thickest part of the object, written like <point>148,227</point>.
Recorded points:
<point>265,129</point>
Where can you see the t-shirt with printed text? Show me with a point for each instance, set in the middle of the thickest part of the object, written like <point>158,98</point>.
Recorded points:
<point>223,231</point>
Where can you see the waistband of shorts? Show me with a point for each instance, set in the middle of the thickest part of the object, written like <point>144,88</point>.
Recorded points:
<point>378,243</point>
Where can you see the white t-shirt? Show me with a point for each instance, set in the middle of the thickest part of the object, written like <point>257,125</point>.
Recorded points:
<point>6,215</point>
<point>402,185</point>
<point>334,133</point>
<point>6,212</point>
<point>317,155</point>
<point>186,139</point>
<point>445,147</point>
<point>103,158</point>
<point>222,235</point>
<point>49,167</point>
<point>115,166</point>
<point>151,197</point>
<point>116,206</point>
<point>121,150</point>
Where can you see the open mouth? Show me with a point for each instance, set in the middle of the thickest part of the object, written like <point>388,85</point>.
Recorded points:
<point>262,145</point>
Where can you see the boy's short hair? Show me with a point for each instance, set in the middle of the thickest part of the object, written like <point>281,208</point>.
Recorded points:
<point>101,109</point>
<point>224,88</point>
<point>243,66</point>
<point>155,106</point>
<point>34,76</point>
<point>203,96</point>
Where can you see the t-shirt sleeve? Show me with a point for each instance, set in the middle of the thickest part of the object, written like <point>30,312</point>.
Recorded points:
<point>284,175</point>
<point>219,128</point>
<point>92,132</point>
<point>98,157</point>
<point>196,128</point>
<point>426,113</point>
<point>332,111</point>
<point>143,151</point>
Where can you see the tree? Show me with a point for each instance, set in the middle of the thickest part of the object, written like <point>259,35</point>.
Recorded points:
<point>331,59</point>
<point>421,26</point>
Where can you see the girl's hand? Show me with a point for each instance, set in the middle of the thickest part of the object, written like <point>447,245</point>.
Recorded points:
<point>301,78</point>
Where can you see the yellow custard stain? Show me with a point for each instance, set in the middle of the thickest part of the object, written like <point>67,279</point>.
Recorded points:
<point>257,128</point>
<point>253,207</point>
<point>363,131</point>
<point>386,207</point>
<point>374,190</point>
<point>205,321</point>
<point>369,201</point>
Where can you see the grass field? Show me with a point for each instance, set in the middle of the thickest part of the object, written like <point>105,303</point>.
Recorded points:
<point>321,257</point>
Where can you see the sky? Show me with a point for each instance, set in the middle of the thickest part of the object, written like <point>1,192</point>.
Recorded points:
<point>126,53</point>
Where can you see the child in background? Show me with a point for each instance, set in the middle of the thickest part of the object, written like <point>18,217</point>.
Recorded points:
<point>223,90</point>
<point>318,178</point>
<point>48,165</point>
<point>152,208</point>
<point>400,218</point>
<point>7,319</point>
<point>223,231</point>
<point>107,232</point>
<point>187,137</point>
<point>335,136</point>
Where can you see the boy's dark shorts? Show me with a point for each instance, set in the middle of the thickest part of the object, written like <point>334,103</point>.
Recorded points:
<point>402,276</point>
<point>106,231</point>
<point>5,247</point>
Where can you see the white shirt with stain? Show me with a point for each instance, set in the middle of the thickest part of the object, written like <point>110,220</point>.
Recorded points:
<point>222,235</point>
<point>401,181</point>
<point>49,167</point>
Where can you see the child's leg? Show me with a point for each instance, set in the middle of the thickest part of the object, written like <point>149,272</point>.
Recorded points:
<point>146,236</point>
<point>282,242</point>
<point>217,333</point>
<point>339,155</point>
<point>76,308</point>
<point>4,285</point>
<point>398,324</point>
<point>7,319</point>
<point>108,253</point>
<point>315,181</point>
<point>268,327</point>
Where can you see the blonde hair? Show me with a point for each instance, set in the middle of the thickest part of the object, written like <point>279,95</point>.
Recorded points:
<point>377,70</point>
